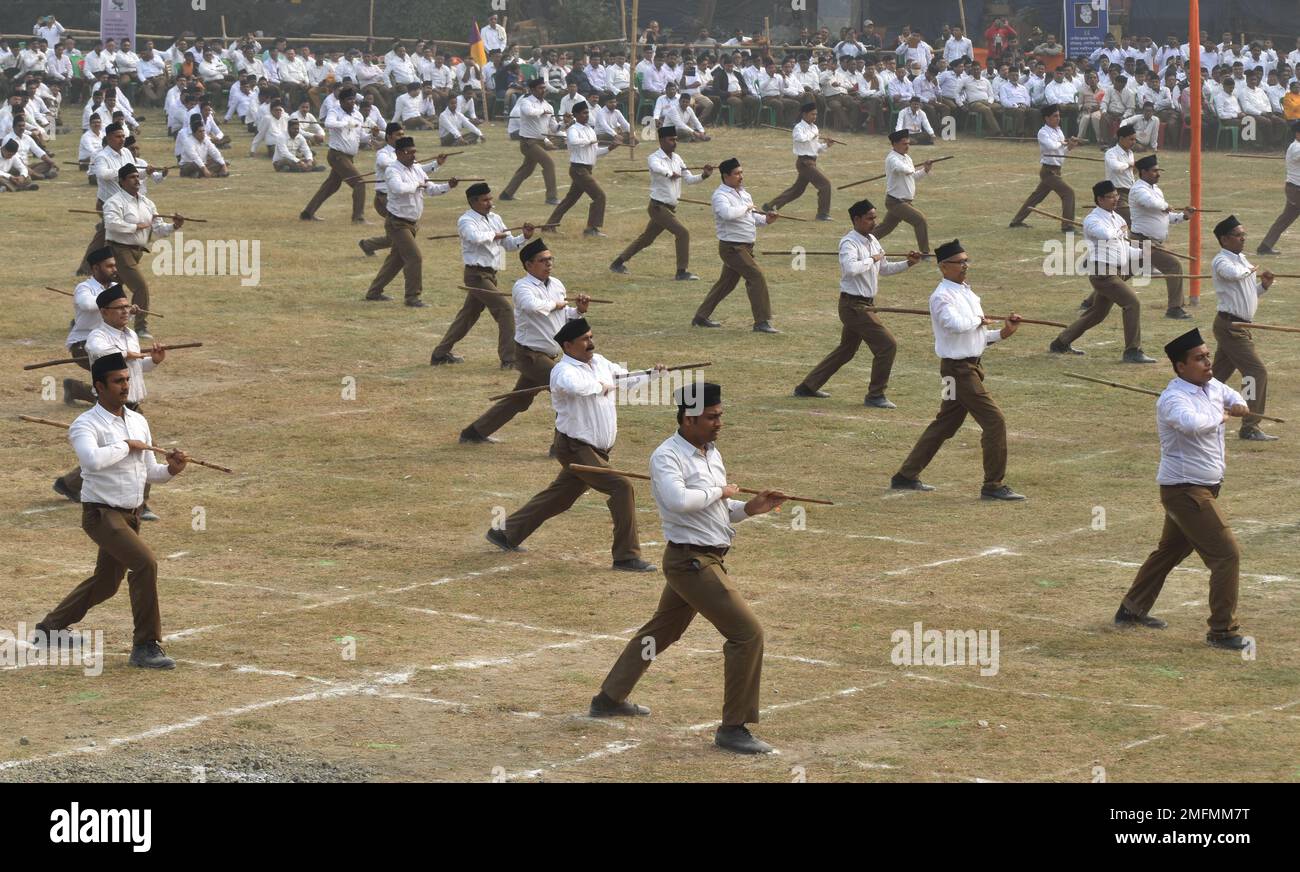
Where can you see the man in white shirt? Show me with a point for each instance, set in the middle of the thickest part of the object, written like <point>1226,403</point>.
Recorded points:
<point>494,35</point>
<point>1292,208</point>
<point>1254,102</point>
<point>681,115</point>
<point>610,124</point>
<point>808,144</point>
<point>1146,128</point>
<point>977,96</point>
<point>585,388</point>
<point>130,220</point>
<point>583,152</point>
<point>1190,416</point>
<point>345,126</point>
<point>455,129</point>
<point>694,499</point>
<point>113,445</point>
<point>294,155</point>
<point>536,123</point>
<point>735,220</point>
<point>104,169</point>
<point>901,176</point>
<point>407,108</point>
<point>1152,216</point>
<point>960,339</point>
<point>1111,257</point>
<point>408,185</point>
<point>86,317</point>
<point>1015,101</point>
<point>308,124</point>
<point>1238,285</point>
<point>667,173</point>
<point>957,46</point>
<point>1053,145</point>
<point>200,158</point>
<point>862,262</point>
<point>540,310</point>
<point>1120,162</point>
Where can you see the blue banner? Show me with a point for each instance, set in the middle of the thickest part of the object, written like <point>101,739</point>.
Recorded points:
<point>117,21</point>
<point>1086,25</point>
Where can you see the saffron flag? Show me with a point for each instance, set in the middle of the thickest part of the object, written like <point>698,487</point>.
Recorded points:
<point>477,51</point>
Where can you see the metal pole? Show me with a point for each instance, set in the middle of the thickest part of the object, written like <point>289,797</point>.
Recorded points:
<point>1194,225</point>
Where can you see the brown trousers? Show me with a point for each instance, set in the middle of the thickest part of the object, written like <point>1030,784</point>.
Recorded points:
<point>380,203</point>
<point>985,111</point>
<point>1235,350</point>
<point>1193,522</point>
<point>737,263</point>
<point>403,256</point>
<point>129,273</point>
<point>341,167</point>
<point>582,182</point>
<point>744,108</point>
<point>841,111</point>
<point>1170,268</point>
<point>475,302</point>
<point>78,389</point>
<point>662,217</point>
<point>534,370</point>
<point>971,396</point>
<point>1122,208</point>
<point>897,211</point>
<point>1108,291</point>
<point>117,533</point>
<point>697,582</point>
<point>1049,180</point>
<point>97,241</point>
<point>806,167</point>
<point>562,493</point>
<point>860,325</point>
<point>1286,219</point>
<point>1015,118</point>
<point>534,156</point>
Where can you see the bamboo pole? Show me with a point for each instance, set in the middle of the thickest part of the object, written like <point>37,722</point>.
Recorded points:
<point>1080,224</point>
<point>508,230</point>
<point>163,451</point>
<point>788,130</point>
<point>71,294</point>
<point>744,490</point>
<point>755,211</point>
<point>835,253</point>
<point>65,360</point>
<point>1252,326</point>
<point>539,388</point>
<point>926,312</point>
<point>508,294</point>
<point>1147,391</point>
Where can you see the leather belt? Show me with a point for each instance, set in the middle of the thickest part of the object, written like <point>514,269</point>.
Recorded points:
<point>715,550</point>
<point>1231,317</point>
<point>870,301</point>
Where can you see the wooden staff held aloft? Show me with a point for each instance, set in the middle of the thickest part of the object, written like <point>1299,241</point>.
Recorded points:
<point>933,160</point>
<point>539,388</point>
<point>744,490</point>
<point>926,312</point>
<point>755,211</point>
<point>508,294</point>
<point>143,354</point>
<point>1147,391</point>
<point>153,448</point>
<point>1080,224</point>
<point>507,230</point>
<point>1251,326</point>
<point>70,294</point>
<point>789,130</point>
<point>837,254</point>
<point>647,169</point>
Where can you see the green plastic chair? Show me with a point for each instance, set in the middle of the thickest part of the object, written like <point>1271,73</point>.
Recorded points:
<point>642,101</point>
<point>769,113</point>
<point>1233,132</point>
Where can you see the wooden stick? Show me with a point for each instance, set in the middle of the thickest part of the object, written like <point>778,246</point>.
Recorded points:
<point>990,317</point>
<point>64,360</point>
<point>508,294</point>
<point>87,212</point>
<point>836,253</point>
<point>647,169</point>
<point>790,130</point>
<point>1111,384</point>
<point>1084,157</point>
<point>755,211</point>
<point>154,448</point>
<point>539,388</point>
<point>1259,156</point>
<point>1080,224</point>
<point>744,490</point>
<point>1250,326</point>
<point>508,230</point>
<point>359,176</point>
<point>173,215</point>
<point>860,182</point>
<point>190,220</point>
<point>1286,275</point>
<point>70,294</point>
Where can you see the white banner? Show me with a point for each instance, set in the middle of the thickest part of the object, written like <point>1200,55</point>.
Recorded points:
<point>117,21</point>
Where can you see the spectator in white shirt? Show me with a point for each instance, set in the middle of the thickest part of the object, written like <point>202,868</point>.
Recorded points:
<point>294,155</point>
<point>455,129</point>
<point>202,159</point>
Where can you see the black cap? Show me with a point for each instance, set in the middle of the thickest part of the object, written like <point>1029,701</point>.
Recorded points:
<point>106,364</point>
<point>1126,130</point>
<point>947,250</point>
<point>392,127</point>
<point>807,107</point>
<point>533,83</point>
<point>1102,188</point>
<point>404,142</point>
<point>531,250</point>
<point>477,190</point>
<point>580,106</point>
<point>697,396</point>
<point>99,255</point>
<point>112,128</point>
<point>896,135</point>
<point>127,170</point>
<point>1226,226</point>
<point>667,130</point>
<point>572,330</point>
<point>1050,109</point>
<point>861,207</point>
<point>109,294</point>
<point>1146,163</point>
<point>728,166</point>
<point>1178,348</point>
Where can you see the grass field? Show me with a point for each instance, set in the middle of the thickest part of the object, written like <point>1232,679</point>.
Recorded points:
<point>364,517</point>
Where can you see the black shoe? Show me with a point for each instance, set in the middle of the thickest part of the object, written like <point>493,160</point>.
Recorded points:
<point>594,233</point>
<point>1058,348</point>
<point>604,707</point>
<point>1135,355</point>
<point>1254,434</point>
<point>878,403</point>
<point>148,514</point>
<point>741,741</point>
<point>62,490</point>
<point>1267,251</point>
<point>686,276</point>
<point>361,221</point>
<point>378,298</point>
<point>506,197</point>
<point>802,390</point>
<point>1125,618</point>
<point>498,538</point>
<point>150,656</point>
<point>439,359</point>
<point>552,201</point>
<point>471,436</point>
<point>43,639</point>
<point>1178,313</point>
<point>765,327</point>
<point>370,252</point>
<point>305,217</point>
<point>697,321</point>
<point>1229,643</point>
<point>1001,492</point>
<point>636,564</point>
<point>823,218</point>
<point>618,267</point>
<point>1016,225</point>
<point>901,482</point>
<point>417,303</point>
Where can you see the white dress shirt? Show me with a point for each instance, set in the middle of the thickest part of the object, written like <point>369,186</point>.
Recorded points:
<point>859,270</point>
<point>610,122</point>
<point>537,319</point>
<point>109,340</point>
<point>122,212</point>
<point>111,472</point>
<point>901,176</point>
<point>536,118</point>
<point>1293,162</point>
<point>200,153</point>
<point>344,129</point>
<point>1235,285</point>
<point>104,168</point>
<point>663,188</point>
<point>85,310</point>
<point>687,484</point>
<point>454,123</point>
<point>734,217</point>
<point>292,150</point>
<point>1226,105</point>
<point>1148,207</point>
<point>806,143</point>
<point>584,409</point>
<point>407,189</point>
<point>1119,166</point>
<point>1110,251</point>
<point>957,319</point>
<point>582,145</point>
<point>914,122</point>
<point>1190,422</point>
<point>1063,93</point>
<point>478,243</point>
<point>1051,145</point>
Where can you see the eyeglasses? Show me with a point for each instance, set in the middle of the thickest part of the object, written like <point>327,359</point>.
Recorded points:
<point>960,264</point>
<point>544,260</point>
